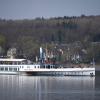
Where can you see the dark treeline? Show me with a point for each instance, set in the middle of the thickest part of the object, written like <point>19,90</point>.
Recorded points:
<point>28,35</point>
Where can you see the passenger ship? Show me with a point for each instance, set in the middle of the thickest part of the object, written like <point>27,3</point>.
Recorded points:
<point>24,66</point>
<point>21,66</point>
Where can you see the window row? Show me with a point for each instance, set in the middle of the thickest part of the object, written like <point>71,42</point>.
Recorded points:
<point>8,69</point>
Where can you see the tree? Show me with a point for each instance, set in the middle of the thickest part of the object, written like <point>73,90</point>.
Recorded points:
<point>2,40</point>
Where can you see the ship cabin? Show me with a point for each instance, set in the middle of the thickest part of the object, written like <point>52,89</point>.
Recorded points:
<point>48,66</point>
<point>11,65</point>
<point>10,61</point>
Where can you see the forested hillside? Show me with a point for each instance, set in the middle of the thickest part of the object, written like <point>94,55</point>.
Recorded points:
<point>28,35</point>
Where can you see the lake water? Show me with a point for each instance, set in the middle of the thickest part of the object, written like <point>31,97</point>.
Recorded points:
<point>14,87</point>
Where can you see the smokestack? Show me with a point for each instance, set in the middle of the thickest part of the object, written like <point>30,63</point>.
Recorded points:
<point>41,53</point>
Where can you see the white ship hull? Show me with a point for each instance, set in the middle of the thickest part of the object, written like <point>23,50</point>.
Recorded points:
<point>9,73</point>
<point>62,72</point>
<point>37,70</point>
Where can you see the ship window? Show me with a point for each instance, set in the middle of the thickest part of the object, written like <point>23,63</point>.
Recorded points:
<point>48,66</point>
<point>15,69</point>
<point>6,69</point>
<point>1,69</point>
<point>10,69</point>
<point>19,63</point>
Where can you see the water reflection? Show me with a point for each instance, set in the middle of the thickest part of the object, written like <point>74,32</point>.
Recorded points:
<point>97,85</point>
<point>14,87</point>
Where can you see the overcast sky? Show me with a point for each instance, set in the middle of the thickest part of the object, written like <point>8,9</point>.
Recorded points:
<point>29,9</point>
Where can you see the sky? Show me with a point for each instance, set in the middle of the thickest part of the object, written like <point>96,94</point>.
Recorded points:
<point>30,9</point>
